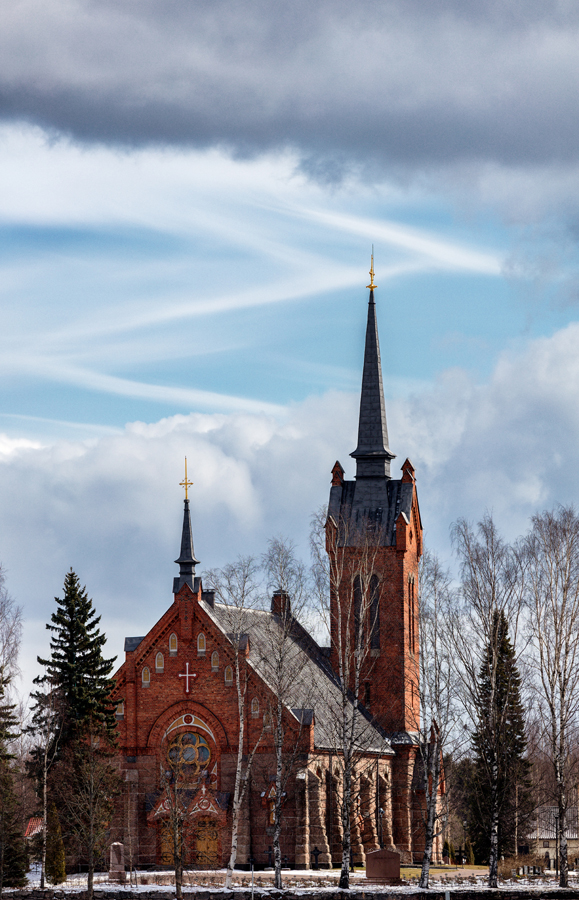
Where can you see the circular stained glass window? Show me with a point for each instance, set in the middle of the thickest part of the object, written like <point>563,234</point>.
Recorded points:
<point>189,753</point>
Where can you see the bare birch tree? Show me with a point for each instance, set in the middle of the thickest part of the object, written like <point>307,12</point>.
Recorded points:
<point>280,655</point>
<point>45,728</point>
<point>87,784</point>
<point>344,566</point>
<point>10,630</point>
<point>237,586</point>
<point>493,584</point>
<point>437,694</point>
<point>552,549</point>
<point>176,807</point>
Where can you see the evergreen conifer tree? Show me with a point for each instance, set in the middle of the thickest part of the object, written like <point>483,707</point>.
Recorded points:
<point>55,858</point>
<point>77,669</point>
<point>13,860</point>
<point>499,745</point>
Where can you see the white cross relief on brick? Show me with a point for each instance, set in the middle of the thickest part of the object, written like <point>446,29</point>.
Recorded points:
<point>187,675</point>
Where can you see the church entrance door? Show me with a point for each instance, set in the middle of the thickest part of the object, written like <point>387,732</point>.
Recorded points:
<point>166,843</point>
<point>206,852</point>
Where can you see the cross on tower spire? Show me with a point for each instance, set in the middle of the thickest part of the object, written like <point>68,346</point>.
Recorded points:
<point>186,559</point>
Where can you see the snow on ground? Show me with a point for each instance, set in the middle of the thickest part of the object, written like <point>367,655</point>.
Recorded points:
<point>298,881</point>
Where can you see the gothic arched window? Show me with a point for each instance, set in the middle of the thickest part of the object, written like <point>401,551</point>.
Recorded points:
<point>255,707</point>
<point>173,645</point>
<point>159,663</point>
<point>411,616</point>
<point>374,613</point>
<point>228,675</point>
<point>201,644</point>
<point>146,677</point>
<point>215,661</point>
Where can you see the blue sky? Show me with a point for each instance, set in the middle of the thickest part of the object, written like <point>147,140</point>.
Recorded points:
<point>188,200</point>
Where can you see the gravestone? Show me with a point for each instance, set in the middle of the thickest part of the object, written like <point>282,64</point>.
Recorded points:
<point>117,864</point>
<point>383,867</point>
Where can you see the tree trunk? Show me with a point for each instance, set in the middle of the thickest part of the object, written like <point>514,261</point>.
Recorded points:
<point>90,876</point>
<point>346,824</point>
<point>237,794</point>
<point>431,795</point>
<point>494,835</point>
<point>563,860</point>
<point>278,797</point>
<point>44,821</point>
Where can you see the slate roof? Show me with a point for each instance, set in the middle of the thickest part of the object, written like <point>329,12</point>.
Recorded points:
<point>372,454</point>
<point>380,502</point>
<point>131,643</point>
<point>312,687</point>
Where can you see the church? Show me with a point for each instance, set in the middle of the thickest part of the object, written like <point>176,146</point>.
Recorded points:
<point>177,700</point>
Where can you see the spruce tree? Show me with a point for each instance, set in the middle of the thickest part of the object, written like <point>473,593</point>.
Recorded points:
<point>77,669</point>
<point>13,860</point>
<point>55,858</point>
<point>499,744</point>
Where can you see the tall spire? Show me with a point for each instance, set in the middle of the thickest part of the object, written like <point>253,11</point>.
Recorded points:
<point>372,454</point>
<point>186,560</point>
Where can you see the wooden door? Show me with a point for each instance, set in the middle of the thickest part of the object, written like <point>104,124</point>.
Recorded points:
<point>206,853</point>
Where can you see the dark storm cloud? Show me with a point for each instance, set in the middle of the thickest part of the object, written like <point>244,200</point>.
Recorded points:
<point>406,83</point>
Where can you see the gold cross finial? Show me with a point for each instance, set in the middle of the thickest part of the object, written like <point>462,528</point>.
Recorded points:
<point>372,285</point>
<point>186,484</point>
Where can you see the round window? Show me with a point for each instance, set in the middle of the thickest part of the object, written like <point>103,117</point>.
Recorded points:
<point>189,753</point>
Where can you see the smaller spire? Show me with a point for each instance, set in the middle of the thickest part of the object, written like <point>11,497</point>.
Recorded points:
<point>186,560</point>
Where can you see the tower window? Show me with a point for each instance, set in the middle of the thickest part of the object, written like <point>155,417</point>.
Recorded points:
<point>173,645</point>
<point>215,661</point>
<point>367,694</point>
<point>374,613</point>
<point>201,644</point>
<point>159,663</point>
<point>228,675</point>
<point>146,677</point>
<point>255,708</point>
<point>411,616</point>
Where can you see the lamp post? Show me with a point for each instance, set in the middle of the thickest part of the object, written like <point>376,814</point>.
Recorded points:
<point>381,812</point>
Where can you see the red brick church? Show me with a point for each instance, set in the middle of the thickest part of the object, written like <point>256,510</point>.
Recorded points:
<point>177,697</point>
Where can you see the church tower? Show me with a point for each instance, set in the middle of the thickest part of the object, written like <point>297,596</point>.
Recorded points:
<point>374,543</point>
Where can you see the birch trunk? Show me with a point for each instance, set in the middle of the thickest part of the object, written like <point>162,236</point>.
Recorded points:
<point>238,790</point>
<point>278,797</point>
<point>494,838</point>
<point>177,849</point>
<point>44,818</point>
<point>432,781</point>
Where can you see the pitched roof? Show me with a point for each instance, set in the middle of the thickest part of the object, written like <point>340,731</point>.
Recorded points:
<point>310,686</point>
<point>34,827</point>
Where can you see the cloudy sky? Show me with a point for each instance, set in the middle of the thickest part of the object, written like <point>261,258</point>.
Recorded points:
<point>189,193</point>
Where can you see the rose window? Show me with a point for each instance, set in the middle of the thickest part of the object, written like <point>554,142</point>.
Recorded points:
<point>189,754</point>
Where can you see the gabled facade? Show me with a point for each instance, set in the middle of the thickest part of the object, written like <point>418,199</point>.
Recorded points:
<point>177,701</point>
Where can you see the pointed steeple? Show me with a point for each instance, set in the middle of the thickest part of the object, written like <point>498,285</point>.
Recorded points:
<point>372,454</point>
<point>186,559</point>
